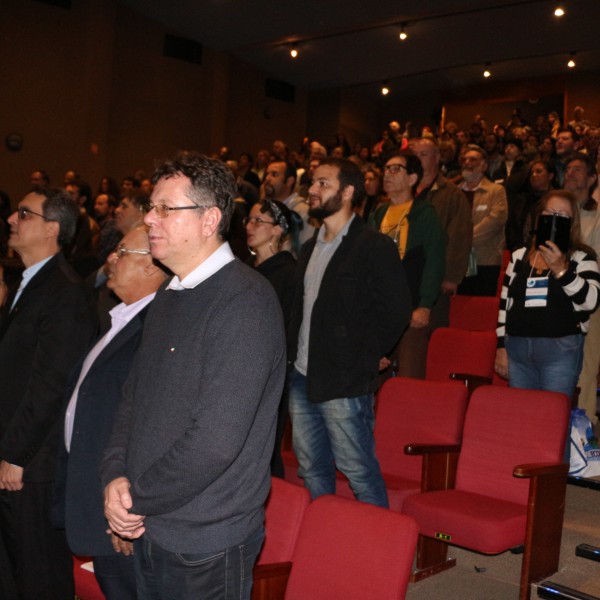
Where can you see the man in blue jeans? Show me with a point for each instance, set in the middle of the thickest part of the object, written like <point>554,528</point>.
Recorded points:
<point>352,303</point>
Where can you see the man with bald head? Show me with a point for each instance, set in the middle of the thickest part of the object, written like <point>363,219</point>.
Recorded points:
<point>44,328</point>
<point>95,393</point>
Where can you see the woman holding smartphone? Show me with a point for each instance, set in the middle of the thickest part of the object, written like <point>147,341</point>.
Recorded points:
<point>547,297</point>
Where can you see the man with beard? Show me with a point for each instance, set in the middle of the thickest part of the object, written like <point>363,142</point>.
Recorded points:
<point>351,305</point>
<point>490,211</point>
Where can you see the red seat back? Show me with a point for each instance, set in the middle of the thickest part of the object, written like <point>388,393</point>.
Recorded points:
<point>474,313</point>
<point>351,550</point>
<point>416,411</point>
<point>86,585</point>
<point>458,351</point>
<point>506,427</point>
<point>283,515</point>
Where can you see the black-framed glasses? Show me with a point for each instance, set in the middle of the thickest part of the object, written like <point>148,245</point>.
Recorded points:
<point>121,251</point>
<point>162,210</point>
<point>257,221</point>
<point>394,168</point>
<point>25,214</point>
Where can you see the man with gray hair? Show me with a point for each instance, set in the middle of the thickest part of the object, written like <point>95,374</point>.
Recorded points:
<point>45,326</point>
<point>188,461</point>
<point>490,212</point>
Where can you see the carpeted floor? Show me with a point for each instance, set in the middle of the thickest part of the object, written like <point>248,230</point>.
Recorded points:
<point>480,577</point>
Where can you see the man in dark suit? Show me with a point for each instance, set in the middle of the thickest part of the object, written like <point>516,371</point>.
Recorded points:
<point>94,396</point>
<point>44,329</point>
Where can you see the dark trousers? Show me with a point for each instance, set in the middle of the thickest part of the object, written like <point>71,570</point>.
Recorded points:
<point>225,574</point>
<point>485,283</point>
<point>35,561</point>
<point>116,576</point>
<point>410,356</point>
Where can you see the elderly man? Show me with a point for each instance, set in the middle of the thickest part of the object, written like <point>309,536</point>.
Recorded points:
<point>94,394</point>
<point>490,212</point>
<point>44,328</point>
<point>187,464</point>
<point>581,179</point>
<point>454,212</point>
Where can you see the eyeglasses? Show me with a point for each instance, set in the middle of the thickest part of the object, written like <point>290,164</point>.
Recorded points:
<point>162,210</point>
<point>394,168</point>
<point>121,251</point>
<point>257,221</point>
<point>25,214</point>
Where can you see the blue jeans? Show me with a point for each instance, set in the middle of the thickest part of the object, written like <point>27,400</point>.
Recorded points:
<point>551,364</point>
<point>338,433</point>
<point>222,575</point>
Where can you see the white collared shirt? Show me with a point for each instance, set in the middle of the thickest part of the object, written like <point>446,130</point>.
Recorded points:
<point>27,276</point>
<point>215,262</point>
<point>120,316</point>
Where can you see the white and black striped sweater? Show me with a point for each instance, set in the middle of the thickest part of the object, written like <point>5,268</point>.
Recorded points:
<point>581,284</point>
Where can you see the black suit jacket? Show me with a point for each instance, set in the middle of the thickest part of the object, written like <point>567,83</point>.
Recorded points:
<point>42,338</point>
<point>79,481</point>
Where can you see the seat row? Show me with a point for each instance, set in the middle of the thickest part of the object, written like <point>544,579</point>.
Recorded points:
<point>486,474</point>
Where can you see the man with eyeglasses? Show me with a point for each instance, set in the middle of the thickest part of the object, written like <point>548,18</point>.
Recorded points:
<point>44,327</point>
<point>187,465</point>
<point>94,394</point>
<point>416,230</point>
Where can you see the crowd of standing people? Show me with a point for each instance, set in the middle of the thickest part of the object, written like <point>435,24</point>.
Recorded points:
<point>163,329</point>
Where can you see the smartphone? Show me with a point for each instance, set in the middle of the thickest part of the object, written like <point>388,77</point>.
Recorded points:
<point>555,228</point>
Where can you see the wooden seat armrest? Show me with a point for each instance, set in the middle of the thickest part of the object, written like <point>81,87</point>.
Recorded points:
<point>270,580</point>
<point>420,449</point>
<point>438,471</point>
<point>541,469</point>
<point>471,382</point>
<point>476,379</point>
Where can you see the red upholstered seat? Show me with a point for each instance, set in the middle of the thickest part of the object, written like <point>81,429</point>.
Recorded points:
<point>412,411</point>
<point>510,471</point>
<point>86,586</point>
<point>283,516</point>
<point>474,313</point>
<point>460,351</point>
<point>353,551</point>
<point>494,525</point>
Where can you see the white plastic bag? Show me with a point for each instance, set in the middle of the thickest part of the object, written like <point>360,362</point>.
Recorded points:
<point>585,454</point>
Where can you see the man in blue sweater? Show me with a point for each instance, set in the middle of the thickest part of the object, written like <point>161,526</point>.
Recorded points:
<point>187,467</point>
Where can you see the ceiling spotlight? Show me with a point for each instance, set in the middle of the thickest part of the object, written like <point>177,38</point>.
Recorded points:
<point>385,90</point>
<point>559,11</point>
<point>294,51</point>
<point>487,73</point>
<point>403,35</point>
<point>571,63</point>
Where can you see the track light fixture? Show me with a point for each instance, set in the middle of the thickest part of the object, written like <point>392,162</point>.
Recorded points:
<point>403,35</point>
<point>487,72</point>
<point>385,90</point>
<point>559,11</point>
<point>571,63</point>
<point>294,50</point>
